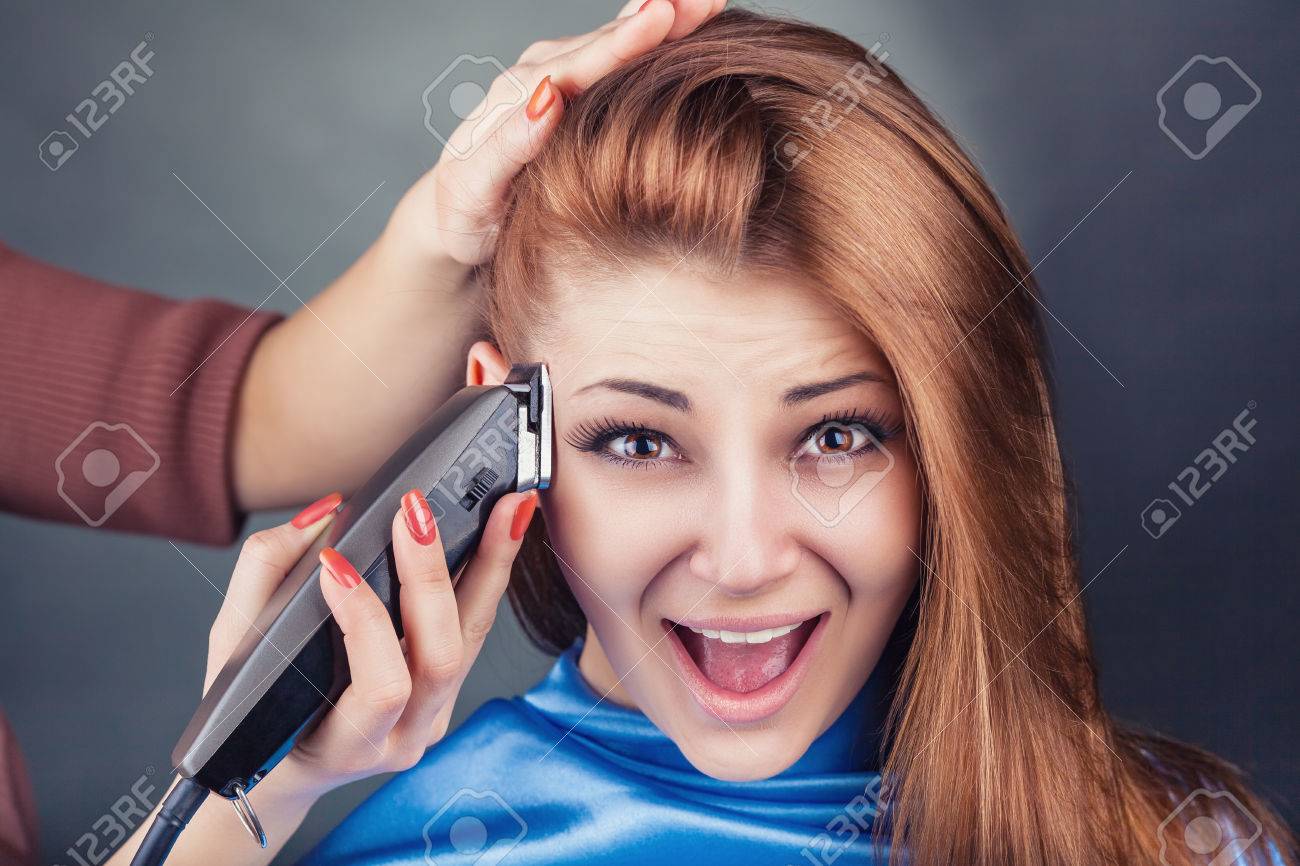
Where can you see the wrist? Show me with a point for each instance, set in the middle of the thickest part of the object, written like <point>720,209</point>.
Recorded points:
<point>291,789</point>
<point>412,240</point>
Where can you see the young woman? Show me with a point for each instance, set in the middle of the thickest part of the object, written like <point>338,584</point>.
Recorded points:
<point>806,560</point>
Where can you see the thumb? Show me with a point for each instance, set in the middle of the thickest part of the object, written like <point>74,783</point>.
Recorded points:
<point>264,560</point>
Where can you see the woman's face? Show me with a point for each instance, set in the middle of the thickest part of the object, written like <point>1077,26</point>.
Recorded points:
<point>734,506</point>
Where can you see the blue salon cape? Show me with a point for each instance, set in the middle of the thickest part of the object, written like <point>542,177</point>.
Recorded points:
<point>558,776</point>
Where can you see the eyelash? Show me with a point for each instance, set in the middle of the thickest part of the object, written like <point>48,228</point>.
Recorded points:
<point>595,436</point>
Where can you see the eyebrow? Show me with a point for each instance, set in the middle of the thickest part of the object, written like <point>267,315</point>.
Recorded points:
<point>679,401</point>
<point>659,394</point>
<point>803,393</point>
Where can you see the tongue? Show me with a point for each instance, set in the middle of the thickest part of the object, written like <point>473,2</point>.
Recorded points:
<point>743,667</point>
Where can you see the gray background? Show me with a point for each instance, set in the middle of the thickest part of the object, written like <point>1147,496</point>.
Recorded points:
<point>1181,285</point>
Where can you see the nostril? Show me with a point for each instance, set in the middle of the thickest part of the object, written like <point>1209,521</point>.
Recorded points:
<point>701,565</point>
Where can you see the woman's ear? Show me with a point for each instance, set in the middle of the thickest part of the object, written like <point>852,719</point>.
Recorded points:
<point>485,365</point>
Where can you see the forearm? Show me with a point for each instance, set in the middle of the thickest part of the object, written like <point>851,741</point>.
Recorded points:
<point>333,390</point>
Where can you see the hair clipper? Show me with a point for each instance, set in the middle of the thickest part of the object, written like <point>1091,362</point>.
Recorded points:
<point>481,444</point>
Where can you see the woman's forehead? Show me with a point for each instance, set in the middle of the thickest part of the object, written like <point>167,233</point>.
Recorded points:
<point>676,320</point>
<point>679,326</point>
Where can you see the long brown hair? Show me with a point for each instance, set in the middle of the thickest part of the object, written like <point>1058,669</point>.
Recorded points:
<point>759,143</point>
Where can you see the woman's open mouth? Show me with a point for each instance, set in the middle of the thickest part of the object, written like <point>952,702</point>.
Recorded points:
<point>745,675</point>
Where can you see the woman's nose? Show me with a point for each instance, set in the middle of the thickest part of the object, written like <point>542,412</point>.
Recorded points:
<point>745,540</point>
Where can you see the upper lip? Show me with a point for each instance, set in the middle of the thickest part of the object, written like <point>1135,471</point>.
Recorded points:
<point>747,623</point>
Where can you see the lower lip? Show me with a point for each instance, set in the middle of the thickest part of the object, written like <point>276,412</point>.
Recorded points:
<point>743,707</point>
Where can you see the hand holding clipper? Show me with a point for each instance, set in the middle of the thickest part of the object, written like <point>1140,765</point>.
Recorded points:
<point>319,679</point>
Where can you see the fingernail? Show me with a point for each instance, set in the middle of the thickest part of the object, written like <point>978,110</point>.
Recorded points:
<point>317,510</point>
<point>419,517</point>
<point>337,567</point>
<point>645,4</point>
<point>523,515</point>
<point>541,99</point>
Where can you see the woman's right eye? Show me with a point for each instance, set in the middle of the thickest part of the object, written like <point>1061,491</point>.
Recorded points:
<point>640,446</point>
<point>625,443</point>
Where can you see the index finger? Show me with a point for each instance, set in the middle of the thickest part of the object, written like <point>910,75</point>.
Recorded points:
<point>430,619</point>
<point>264,560</point>
<point>689,14</point>
<point>630,8</point>
<point>635,35</point>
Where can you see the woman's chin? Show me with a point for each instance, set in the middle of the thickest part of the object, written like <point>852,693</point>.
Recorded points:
<point>742,753</point>
<point>744,756</point>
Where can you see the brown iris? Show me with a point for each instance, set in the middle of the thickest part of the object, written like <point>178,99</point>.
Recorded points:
<point>835,440</point>
<point>641,446</point>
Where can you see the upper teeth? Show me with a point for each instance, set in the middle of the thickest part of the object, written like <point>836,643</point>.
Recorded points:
<point>761,636</point>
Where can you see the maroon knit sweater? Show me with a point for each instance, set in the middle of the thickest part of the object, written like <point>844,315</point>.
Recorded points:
<point>117,406</point>
<point>116,410</point>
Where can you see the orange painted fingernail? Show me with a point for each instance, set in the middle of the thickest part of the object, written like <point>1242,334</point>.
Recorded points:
<point>317,510</point>
<point>337,566</point>
<point>419,517</point>
<point>541,99</point>
<point>523,515</point>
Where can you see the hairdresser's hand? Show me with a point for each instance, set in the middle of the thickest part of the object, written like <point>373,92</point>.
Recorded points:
<point>383,346</point>
<point>401,697</point>
<point>454,209</point>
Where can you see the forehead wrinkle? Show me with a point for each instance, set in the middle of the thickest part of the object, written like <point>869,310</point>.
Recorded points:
<point>760,323</point>
<point>680,296</point>
<point>720,329</point>
<point>666,349</point>
<point>782,328</point>
<point>667,336</point>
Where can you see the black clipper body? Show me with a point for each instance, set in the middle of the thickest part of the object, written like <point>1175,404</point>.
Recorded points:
<point>483,443</point>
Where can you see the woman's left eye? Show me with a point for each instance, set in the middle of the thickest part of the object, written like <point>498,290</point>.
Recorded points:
<point>838,439</point>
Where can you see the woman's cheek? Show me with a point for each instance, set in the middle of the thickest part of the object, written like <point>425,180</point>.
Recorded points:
<point>606,530</point>
<point>875,548</point>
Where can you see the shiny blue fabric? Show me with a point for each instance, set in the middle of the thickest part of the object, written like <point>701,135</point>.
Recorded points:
<point>558,776</point>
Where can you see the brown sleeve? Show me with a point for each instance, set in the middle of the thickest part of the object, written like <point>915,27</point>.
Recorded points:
<point>117,406</point>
